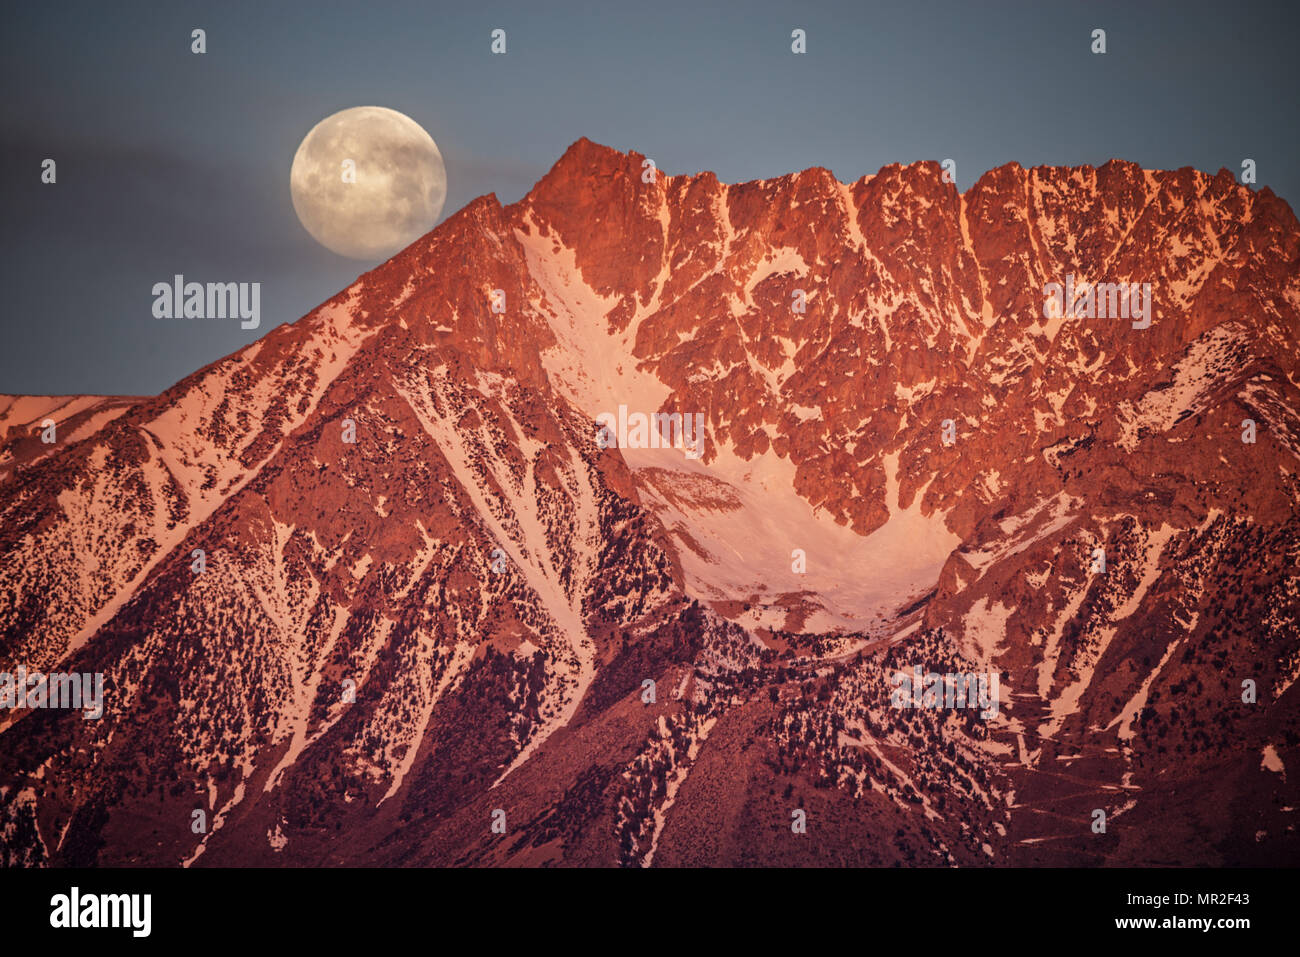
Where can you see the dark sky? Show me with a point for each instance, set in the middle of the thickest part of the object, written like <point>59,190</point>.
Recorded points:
<point>170,162</point>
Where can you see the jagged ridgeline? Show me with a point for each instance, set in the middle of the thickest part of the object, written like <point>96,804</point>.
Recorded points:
<point>409,582</point>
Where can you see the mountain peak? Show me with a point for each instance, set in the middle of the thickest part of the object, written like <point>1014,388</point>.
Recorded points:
<point>585,159</point>
<point>879,451</point>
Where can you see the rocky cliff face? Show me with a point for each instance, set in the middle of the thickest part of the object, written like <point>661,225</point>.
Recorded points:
<point>378,588</point>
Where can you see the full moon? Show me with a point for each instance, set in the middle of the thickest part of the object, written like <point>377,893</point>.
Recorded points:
<point>367,182</point>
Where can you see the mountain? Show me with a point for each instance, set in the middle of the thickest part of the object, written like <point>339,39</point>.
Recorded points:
<point>408,582</point>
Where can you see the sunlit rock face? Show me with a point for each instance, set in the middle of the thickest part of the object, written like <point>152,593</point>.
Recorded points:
<point>433,589</point>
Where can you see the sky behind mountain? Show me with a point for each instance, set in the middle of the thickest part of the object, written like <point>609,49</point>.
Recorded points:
<point>171,162</point>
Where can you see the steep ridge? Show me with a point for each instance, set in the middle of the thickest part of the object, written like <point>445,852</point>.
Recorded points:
<point>431,591</point>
